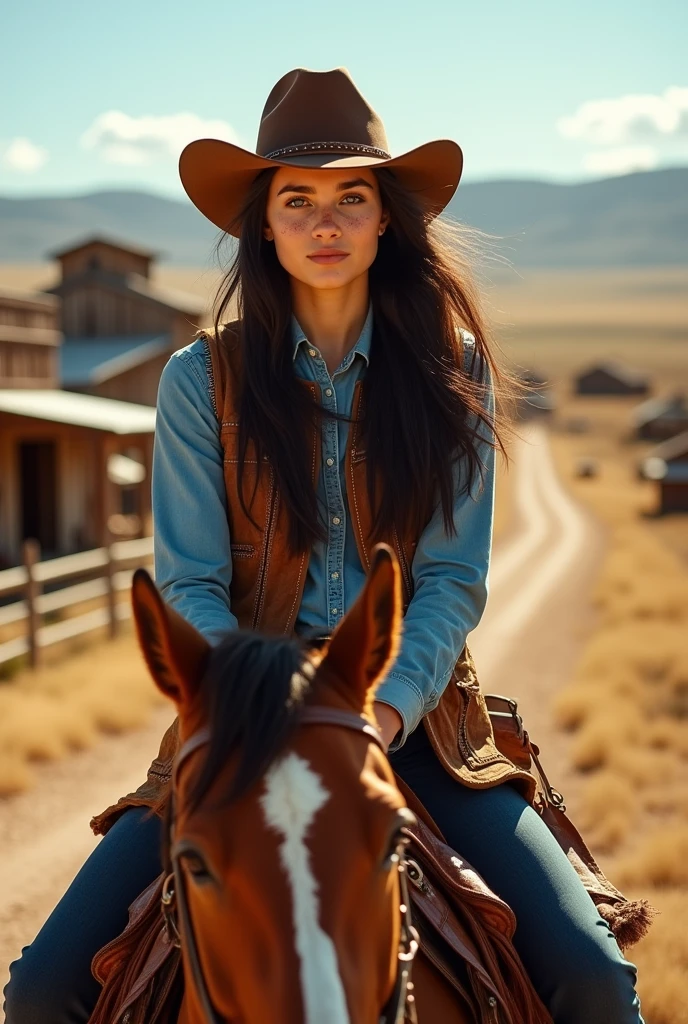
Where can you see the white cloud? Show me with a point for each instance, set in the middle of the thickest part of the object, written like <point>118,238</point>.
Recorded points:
<point>121,139</point>
<point>24,155</point>
<point>621,160</point>
<point>635,118</point>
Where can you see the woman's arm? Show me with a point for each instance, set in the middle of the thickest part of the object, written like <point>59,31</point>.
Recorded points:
<point>193,565</point>
<point>450,592</point>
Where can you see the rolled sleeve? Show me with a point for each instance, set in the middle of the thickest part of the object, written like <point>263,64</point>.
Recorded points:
<point>450,577</point>
<point>191,544</point>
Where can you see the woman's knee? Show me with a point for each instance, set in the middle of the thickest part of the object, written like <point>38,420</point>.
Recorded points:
<point>596,985</point>
<point>39,992</point>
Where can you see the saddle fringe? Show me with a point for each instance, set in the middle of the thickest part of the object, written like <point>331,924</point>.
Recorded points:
<point>630,921</point>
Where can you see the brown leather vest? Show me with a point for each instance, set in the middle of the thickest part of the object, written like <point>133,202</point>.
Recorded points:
<point>267,585</point>
<point>267,582</point>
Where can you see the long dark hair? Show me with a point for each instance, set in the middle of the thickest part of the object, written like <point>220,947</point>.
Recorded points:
<point>421,410</point>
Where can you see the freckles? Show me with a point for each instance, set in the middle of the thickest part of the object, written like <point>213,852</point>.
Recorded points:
<point>290,228</point>
<point>360,222</point>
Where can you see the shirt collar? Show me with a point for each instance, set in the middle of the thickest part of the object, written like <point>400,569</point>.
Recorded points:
<point>362,346</point>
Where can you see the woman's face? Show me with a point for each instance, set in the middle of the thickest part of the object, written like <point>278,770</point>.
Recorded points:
<point>337,211</point>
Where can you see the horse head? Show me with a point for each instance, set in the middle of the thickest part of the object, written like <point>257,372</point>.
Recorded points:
<point>286,825</point>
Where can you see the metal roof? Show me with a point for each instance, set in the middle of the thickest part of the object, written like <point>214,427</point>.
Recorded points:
<point>670,407</point>
<point>88,361</point>
<point>89,411</point>
<point>675,447</point>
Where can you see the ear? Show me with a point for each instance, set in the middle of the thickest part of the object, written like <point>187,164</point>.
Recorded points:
<point>366,642</point>
<point>175,652</point>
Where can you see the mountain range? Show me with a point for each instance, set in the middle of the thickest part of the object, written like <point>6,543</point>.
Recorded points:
<point>638,219</point>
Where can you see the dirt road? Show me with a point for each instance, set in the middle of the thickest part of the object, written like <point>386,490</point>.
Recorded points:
<point>524,647</point>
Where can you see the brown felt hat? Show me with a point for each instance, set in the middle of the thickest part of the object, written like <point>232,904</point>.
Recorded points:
<point>313,119</point>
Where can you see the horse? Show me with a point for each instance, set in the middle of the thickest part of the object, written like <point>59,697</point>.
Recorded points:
<point>286,882</point>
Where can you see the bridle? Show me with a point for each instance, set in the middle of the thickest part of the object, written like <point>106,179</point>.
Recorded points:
<point>400,1006</point>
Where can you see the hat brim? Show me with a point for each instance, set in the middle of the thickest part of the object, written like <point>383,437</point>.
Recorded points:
<point>217,175</point>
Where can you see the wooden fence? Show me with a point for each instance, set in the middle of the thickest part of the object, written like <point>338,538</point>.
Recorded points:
<point>112,568</point>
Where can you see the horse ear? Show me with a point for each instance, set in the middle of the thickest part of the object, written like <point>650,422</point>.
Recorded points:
<point>175,652</point>
<point>366,641</point>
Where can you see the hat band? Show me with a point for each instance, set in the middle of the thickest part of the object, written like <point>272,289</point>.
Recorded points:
<point>333,147</point>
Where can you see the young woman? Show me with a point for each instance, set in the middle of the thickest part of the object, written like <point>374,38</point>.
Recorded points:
<point>359,327</point>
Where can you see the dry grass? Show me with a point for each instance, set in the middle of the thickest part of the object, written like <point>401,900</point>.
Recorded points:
<point>63,707</point>
<point>627,708</point>
<point>662,959</point>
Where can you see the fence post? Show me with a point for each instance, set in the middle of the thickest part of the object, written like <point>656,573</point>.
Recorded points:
<point>111,592</point>
<point>31,554</point>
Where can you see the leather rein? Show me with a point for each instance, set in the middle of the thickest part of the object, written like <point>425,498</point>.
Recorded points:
<point>400,1006</point>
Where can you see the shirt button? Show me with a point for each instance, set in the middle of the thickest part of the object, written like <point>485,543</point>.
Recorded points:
<point>328,392</point>
<point>334,611</point>
<point>312,352</point>
<point>330,462</point>
<point>336,520</point>
<point>335,575</point>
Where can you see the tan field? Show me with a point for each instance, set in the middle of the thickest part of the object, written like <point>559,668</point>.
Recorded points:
<point>626,709</point>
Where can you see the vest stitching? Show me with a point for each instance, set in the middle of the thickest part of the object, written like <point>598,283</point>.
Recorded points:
<point>209,371</point>
<point>354,435</point>
<point>269,538</point>
<point>296,594</point>
<point>260,579</point>
<point>303,556</point>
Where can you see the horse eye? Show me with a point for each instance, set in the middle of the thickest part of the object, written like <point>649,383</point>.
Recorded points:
<point>196,866</point>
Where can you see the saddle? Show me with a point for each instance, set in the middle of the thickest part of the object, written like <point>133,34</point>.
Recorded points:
<point>465,929</point>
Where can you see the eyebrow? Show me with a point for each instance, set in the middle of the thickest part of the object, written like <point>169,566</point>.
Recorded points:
<point>309,190</point>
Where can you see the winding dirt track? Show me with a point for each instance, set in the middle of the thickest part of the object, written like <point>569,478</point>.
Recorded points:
<point>525,647</point>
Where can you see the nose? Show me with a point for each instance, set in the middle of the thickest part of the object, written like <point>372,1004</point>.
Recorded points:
<point>326,226</point>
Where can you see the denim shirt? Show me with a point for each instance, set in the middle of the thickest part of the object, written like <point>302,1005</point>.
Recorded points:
<point>193,567</point>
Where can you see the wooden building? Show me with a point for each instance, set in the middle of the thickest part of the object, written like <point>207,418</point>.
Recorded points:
<point>668,465</point>
<point>29,340</point>
<point>68,465</point>
<point>119,327</point>
<point>611,379</point>
<point>658,419</point>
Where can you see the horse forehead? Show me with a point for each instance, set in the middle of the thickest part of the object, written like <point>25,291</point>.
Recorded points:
<point>294,793</point>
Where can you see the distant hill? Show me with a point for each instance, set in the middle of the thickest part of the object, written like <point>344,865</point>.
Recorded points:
<point>634,220</point>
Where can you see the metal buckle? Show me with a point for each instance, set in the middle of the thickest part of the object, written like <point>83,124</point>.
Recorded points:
<point>168,903</point>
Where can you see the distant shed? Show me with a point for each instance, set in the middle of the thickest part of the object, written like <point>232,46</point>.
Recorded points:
<point>668,465</point>
<point>659,419</point>
<point>612,379</point>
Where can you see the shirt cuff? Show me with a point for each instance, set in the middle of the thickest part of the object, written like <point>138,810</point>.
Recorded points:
<point>404,696</point>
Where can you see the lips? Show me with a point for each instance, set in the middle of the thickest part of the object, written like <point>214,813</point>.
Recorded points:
<point>328,257</point>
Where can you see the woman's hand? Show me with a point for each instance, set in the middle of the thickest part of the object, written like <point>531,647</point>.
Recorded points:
<point>389,720</point>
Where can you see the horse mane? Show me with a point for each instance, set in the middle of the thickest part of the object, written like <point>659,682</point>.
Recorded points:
<point>251,693</point>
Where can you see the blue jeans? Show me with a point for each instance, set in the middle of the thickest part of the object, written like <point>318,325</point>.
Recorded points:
<point>567,948</point>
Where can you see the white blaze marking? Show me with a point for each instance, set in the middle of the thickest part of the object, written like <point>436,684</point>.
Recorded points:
<point>293,796</point>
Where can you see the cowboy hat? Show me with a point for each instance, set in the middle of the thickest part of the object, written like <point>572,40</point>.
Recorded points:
<point>313,119</point>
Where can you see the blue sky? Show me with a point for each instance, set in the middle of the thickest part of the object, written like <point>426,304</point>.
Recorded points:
<point>98,95</point>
